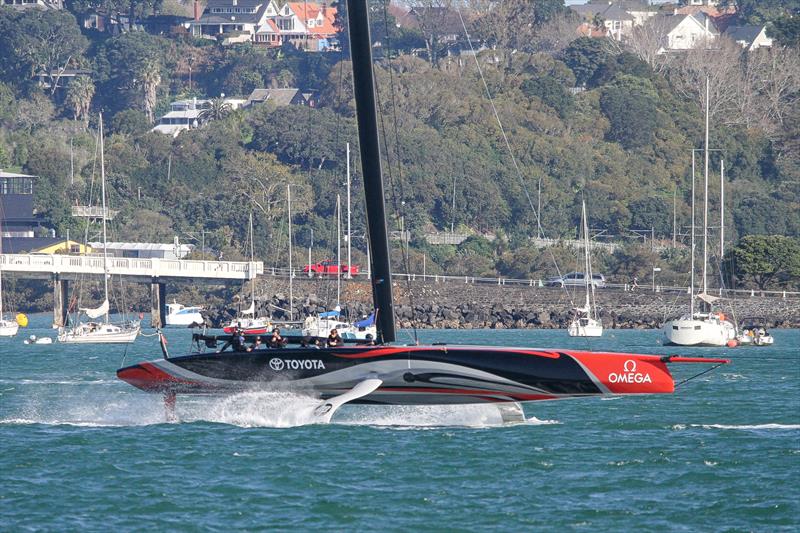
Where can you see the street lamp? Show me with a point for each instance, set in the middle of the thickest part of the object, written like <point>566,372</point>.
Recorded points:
<point>655,269</point>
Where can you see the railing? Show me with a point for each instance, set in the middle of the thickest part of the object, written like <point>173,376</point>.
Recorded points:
<point>541,283</point>
<point>85,264</point>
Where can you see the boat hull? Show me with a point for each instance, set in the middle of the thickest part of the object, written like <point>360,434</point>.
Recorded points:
<point>694,332</point>
<point>423,375</point>
<point>8,328</point>
<point>104,334</point>
<point>591,329</point>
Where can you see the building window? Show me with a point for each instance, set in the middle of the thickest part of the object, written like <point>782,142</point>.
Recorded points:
<point>16,186</point>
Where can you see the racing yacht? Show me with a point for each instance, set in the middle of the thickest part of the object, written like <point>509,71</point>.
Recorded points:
<point>386,373</point>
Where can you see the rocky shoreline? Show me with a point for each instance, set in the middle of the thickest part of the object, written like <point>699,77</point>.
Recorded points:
<point>455,305</point>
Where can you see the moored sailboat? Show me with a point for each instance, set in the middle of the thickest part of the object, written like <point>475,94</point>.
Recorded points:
<point>585,322</point>
<point>705,327</point>
<point>104,332</point>
<point>396,374</point>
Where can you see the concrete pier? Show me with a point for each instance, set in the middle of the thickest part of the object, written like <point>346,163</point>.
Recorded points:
<point>158,300</point>
<point>60,301</point>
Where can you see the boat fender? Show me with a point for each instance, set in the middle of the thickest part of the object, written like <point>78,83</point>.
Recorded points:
<point>733,343</point>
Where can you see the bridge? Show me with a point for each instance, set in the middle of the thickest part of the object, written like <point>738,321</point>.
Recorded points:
<point>64,268</point>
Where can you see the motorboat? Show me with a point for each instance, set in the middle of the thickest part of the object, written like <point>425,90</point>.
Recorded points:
<point>250,325</point>
<point>33,339</point>
<point>382,371</point>
<point>181,315</point>
<point>754,333</point>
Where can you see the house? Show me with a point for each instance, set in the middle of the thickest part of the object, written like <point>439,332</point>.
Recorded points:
<point>685,32</point>
<point>307,25</point>
<point>17,218</point>
<point>27,4</point>
<point>61,78</point>
<point>611,16</point>
<point>749,37</point>
<point>188,114</point>
<point>43,245</point>
<point>145,250</point>
<point>280,97</point>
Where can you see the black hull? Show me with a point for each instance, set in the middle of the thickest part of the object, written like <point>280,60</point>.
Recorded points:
<point>411,374</point>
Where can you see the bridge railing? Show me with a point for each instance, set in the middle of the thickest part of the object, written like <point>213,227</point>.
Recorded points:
<point>541,283</point>
<point>153,267</point>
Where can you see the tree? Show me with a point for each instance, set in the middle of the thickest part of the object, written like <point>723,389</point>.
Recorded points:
<point>764,258</point>
<point>631,106</point>
<point>584,56</point>
<point>551,92</point>
<point>36,41</point>
<point>647,41</point>
<point>149,78</point>
<point>130,122</point>
<point>79,96</point>
<point>217,109</point>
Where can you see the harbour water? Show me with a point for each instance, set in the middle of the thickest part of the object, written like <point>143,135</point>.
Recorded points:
<point>80,450</point>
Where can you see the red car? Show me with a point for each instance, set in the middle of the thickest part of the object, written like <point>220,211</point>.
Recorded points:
<point>330,268</point>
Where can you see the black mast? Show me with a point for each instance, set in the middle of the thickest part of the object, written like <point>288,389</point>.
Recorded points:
<point>364,90</point>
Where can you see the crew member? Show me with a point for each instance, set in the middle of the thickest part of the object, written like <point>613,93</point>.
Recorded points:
<point>276,341</point>
<point>334,339</point>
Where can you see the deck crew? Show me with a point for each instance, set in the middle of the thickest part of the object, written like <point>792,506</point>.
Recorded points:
<point>334,339</point>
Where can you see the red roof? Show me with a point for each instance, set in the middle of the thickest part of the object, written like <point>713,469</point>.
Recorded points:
<point>310,10</point>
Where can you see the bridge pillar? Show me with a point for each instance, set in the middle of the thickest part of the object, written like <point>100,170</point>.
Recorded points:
<point>158,301</point>
<point>60,301</point>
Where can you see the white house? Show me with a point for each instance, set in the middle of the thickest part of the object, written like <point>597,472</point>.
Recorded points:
<point>684,32</point>
<point>617,18</point>
<point>25,4</point>
<point>749,37</point>
<point>187,114</point>
<point>307,25</point>
<point>145,250</point>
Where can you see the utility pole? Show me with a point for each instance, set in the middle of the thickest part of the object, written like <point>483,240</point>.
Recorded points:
<point>540,233</point>
<point>310,246</point>
<point>721,209</point>
<point>674,214</point>
<point>453,210</point>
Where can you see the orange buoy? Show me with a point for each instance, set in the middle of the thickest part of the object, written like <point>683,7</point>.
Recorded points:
<point>733,343</point>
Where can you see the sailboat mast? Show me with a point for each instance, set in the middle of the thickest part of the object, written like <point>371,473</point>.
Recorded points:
<point>338,249</point>
<point>1,273</point>
<point>705,199</point>
<point>721,209</point>
<point>291,271</point>
<point>692,245</point>
<point>364,92</point>
<point>252,266</point>
<point>349,234</point>
<point>586,268</point>
<point>103,214</point>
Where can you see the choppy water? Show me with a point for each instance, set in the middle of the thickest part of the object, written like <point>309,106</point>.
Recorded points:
<point>81,451</point>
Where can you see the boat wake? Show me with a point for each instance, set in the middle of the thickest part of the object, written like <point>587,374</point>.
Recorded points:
<point>246,409</point>
<point>741,427</point>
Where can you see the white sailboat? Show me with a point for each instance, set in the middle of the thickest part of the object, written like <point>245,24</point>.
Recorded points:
<point>702,328</point>
<point>323,323</point>
<point>104,332</point>
<point>248,322</point>
<point>585,323</point>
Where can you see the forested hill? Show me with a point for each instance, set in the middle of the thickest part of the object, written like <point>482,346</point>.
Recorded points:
<point>584,119</point>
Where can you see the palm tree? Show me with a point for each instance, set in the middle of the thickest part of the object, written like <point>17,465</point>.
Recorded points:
<point>150,78</point>
<point>79,96</point>
<point>218,108</point>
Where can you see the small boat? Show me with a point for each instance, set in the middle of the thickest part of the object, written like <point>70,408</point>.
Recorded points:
<point>249,325</point>
<point>181,315</point>
<point>33,339</point>
<point>585,322</point>
<point>100,332</point>
<point>754,333</point>
<point>8,328</point>
<point>322,324</point>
